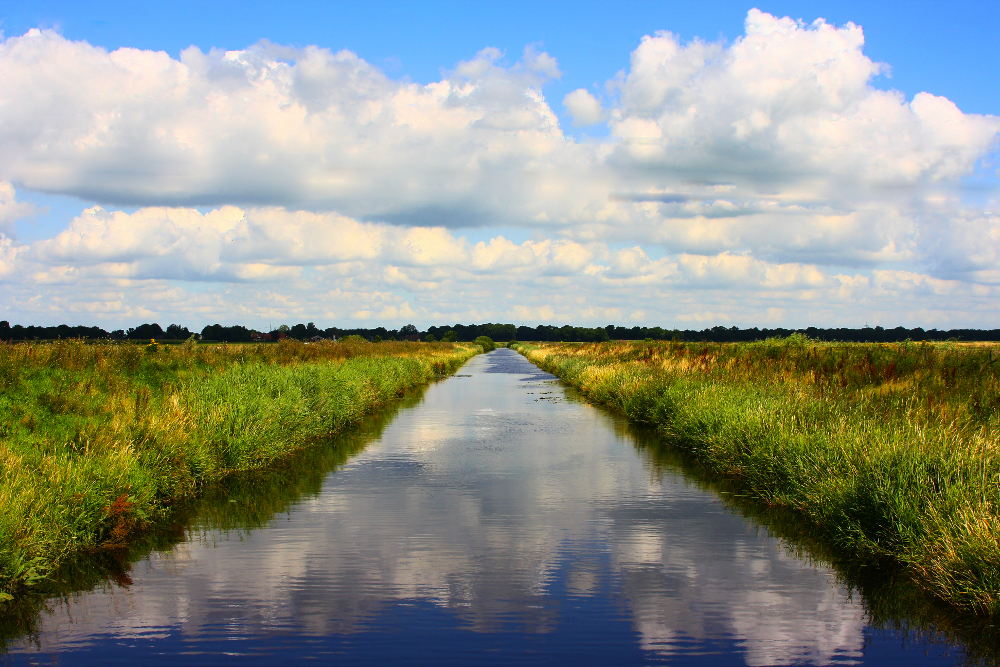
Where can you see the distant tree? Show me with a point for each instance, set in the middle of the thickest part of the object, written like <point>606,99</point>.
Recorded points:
<point>177,332</point>
<point>145,332</point>
<point>233,334</point>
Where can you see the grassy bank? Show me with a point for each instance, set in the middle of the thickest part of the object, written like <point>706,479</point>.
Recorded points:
<point>889,451</point>
<point>238,504</point>
<point>98,440</point>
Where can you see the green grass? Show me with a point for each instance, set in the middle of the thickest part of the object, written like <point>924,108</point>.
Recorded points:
<point>889,451</point>
<point>97,441</point>
<point>238,504</point>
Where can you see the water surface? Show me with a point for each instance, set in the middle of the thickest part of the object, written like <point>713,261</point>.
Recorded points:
<point>500,519</point>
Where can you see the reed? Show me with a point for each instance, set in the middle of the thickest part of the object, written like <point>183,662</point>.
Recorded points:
<point>98,440</point>
<point>889,451</point>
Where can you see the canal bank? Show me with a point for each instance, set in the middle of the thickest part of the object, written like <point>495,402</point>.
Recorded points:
<point>500,519</point>
<point>99,441</point>
<point>887,451</point>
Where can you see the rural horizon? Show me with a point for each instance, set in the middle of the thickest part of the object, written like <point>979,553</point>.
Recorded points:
<point>499,333</point>
<point>495,331</point>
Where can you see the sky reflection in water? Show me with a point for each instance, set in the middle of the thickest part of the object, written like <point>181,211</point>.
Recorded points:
<point>498,520</point>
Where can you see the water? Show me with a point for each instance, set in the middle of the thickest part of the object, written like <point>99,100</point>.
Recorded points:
<point>497,520</point>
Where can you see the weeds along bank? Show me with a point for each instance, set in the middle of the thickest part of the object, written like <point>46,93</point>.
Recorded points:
<point>97,440</point>
<point>890,450</point>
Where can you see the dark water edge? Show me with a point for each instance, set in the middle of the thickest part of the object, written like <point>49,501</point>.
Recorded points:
<point>891,600</point>
<point>244,503</point>
<point>239,503</point>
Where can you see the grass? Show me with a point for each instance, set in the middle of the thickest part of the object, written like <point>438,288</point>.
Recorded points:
<point>236,505</point>
<point>98,441</point>
<point>888,451</point>
<point>891,598</point>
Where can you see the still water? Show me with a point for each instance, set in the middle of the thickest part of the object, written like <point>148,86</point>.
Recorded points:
<point>498,520</point>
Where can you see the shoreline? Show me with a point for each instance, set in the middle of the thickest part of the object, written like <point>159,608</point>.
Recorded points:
<point>887,451</point>
<point>100,440</point>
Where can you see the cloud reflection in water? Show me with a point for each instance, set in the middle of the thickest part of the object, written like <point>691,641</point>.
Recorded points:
<point>508,514</point>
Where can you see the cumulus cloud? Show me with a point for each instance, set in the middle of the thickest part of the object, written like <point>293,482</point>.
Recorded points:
<point>187,244</point>
<point>787,102</point>
<point>307,128</point>
<point>251,265</point>
<point>12,210</point>
<point>583,107</point>
<point>740,182</point>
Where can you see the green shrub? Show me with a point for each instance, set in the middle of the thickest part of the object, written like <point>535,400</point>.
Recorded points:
<point>486,343</point>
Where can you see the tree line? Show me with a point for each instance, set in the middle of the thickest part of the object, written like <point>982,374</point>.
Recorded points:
<point>496,331</point>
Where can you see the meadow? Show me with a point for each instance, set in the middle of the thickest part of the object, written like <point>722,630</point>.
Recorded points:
<point>888,451</point>
<point>98,441</point>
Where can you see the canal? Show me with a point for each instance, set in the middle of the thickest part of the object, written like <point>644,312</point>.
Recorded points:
<point>495,519</point>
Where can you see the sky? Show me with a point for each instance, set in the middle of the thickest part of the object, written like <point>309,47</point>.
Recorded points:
<point>362,164</point>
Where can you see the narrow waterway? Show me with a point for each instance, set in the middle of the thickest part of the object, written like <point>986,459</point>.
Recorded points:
<point>497,520</point>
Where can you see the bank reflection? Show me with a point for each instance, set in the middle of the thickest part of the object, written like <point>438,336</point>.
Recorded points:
<point>506,503</point>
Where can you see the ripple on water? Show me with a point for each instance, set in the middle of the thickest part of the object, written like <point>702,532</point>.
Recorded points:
<point>491,523</point>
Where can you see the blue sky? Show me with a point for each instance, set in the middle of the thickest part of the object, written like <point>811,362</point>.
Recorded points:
<point>911,266</point>
<point>944,47</point>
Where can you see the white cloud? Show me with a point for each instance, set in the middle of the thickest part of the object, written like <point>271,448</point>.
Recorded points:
<point>252,265</point>
<point>12,210</point>
<point>584,107</point>
<point>742,181</point>
<point>271,125</point>
<point>787,102</point>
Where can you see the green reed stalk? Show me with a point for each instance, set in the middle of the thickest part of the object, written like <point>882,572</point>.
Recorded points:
<point>889,450</point>
<point>98,440</point>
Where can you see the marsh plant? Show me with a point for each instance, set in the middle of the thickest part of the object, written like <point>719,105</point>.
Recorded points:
<point>97,440</point>
<point>889,450</point>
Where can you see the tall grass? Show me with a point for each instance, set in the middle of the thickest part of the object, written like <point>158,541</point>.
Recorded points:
<point>98,440</point>
<point>238,503</point>
<point>890,451</point>
<point>891,598</point>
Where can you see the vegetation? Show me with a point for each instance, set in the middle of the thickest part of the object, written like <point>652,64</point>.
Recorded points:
<point>891,599</point>
<point>496,331</point>
<point>238,503</point>
<point>508,332</point>
<point>97,441</point>
<point>486,343</point>
<point>888,452</point>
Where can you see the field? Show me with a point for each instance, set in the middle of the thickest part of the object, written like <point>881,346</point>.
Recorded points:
<point>888,451</point>
<point>99,440</point>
